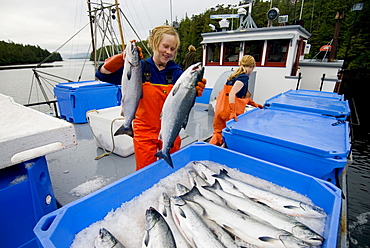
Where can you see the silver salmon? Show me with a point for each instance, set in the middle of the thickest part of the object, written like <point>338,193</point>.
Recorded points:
<point>106,240</point>
<point>157,231</point>
<point>268,214</point>
<point>165,209</point>
<point>192,226</point>
<point>281,203</point>
<point>205,172</point>
<point>176,108</point>
<point>131,88</point>
<point>249,229</point>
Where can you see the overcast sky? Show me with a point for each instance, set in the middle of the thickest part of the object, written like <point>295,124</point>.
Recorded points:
<point>50,23</point>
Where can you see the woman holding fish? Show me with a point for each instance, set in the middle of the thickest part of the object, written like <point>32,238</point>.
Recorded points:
<point>158,75</point>
<point>233,98</point>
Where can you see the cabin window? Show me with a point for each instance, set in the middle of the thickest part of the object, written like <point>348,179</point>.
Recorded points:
<point>213,53</point>
<point>254,48</point>
<point>231,55</point>
<point>277,51</point>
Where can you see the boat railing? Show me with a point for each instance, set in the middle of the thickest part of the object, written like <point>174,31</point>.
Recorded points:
<point>51,102</point>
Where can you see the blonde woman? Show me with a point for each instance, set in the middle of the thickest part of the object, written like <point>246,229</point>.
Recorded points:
<point>190,57</point>
<point>160,73</point>
<point>233,98</point>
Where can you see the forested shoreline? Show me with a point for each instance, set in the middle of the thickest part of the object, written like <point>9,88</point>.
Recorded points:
<point>12,54</point>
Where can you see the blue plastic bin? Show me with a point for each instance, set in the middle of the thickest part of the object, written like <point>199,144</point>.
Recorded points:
<point>315,93</point>
<point>314,103</point>
<point>76,98</point>
<point>59,228</point>
<point>309,143</point>
<point>26,194</point>
<point>206,95</point>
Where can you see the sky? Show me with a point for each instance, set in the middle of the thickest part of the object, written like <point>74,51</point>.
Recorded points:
<point>50,23</point>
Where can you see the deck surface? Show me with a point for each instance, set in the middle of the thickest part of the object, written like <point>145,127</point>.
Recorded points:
<point>75,172</point>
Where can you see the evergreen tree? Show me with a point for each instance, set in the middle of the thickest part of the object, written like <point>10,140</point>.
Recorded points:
<point>12,53</point>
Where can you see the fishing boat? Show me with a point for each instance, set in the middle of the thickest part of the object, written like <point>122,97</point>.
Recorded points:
<point>78,152</point>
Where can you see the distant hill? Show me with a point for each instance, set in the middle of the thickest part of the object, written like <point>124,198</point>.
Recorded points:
<point>78,56</point>
<point>13,54</point>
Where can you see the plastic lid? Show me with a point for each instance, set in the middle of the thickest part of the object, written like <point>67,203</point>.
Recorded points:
<point>83,84</point>
<point>320,105</point>
<point>319,135</point>
<point>315,93</point>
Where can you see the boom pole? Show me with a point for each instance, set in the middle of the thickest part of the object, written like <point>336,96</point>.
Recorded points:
<point>91,19</point>
<point>120,25</point>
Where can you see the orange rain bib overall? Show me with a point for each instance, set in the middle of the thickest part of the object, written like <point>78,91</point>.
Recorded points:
<point>147,124</point>
<point>222,113</point>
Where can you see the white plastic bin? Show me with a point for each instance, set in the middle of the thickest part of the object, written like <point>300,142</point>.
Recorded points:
<point>104,123</point>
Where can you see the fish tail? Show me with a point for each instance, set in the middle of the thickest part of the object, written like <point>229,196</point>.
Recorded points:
<point>214,186</point>
<point>191,194</point>
<point>124,130</point>
<point>166,157</point>
<point>222,174</point>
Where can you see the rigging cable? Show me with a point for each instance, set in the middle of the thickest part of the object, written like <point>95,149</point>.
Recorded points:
<point>138,16</point>
<point>39,64</point>
<point>146,49</point>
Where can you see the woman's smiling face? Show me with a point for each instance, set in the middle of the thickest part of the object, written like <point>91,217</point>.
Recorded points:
<point>166,50</point>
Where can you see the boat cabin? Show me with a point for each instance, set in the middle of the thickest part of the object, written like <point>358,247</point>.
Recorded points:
<point>279,53</point>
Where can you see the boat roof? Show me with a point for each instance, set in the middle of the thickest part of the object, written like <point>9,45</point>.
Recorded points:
<point>264,33</point>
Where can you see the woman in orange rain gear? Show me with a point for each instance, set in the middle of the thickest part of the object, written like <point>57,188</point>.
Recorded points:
<point>233,98</point>
<point>160,73</point>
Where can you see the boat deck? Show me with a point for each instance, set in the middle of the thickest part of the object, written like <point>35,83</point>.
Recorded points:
<point>75,172</point>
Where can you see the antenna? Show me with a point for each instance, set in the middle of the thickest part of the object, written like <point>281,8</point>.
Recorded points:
<point>246,22</point>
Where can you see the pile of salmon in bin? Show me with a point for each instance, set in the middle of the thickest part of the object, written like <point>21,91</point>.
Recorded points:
<point>253,194</point>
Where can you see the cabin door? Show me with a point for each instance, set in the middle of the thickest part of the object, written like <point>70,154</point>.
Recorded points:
<point>298,55</point>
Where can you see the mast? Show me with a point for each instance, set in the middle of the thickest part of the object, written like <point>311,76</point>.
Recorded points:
<point>120,25</point>
<point>91,18</point>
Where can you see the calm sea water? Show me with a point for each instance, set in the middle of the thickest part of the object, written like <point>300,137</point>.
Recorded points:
<point>18,83</point>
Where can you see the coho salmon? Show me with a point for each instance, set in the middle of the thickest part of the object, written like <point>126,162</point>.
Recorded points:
<point>220,233</point>
<point>176,108</point>
<point>207,174</point>
<point>192,226</point>
<point>165,209</point>
<point>131,88</point>
<point>196,180</point>
<point>157,231</point>
<point>249,229</point>
<point>106,240</point>
<point>281,203</point>
<point>268,214</point>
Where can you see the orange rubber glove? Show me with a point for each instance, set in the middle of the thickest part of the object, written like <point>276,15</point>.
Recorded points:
<point>114,63</point>
<point>233,112</point>
<point>200,87</point>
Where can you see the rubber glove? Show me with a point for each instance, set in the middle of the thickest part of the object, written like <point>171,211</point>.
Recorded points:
<point>232,112</point>
<point>200,87</point>
<point>254,104</point>
<point>116,62</point>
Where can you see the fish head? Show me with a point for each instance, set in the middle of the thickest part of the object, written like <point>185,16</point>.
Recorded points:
<point>203,170</point>
<point>132,54</point>
<point>152,217</point>
<point>181,189</point>
<point>291,241</point>
<point>193,75</point>
<point>105,239</point>
<point>165,199</point>
<point>307,235</point>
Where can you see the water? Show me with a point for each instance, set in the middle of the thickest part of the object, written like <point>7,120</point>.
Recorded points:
<point>358,192</point>
<point>17,83</point>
